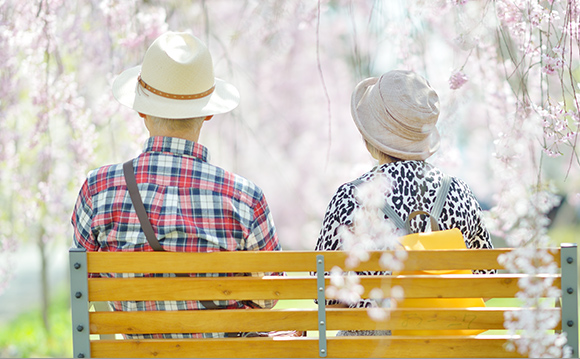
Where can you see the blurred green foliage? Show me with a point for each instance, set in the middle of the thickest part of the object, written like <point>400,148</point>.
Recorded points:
<point>24,337</point>
<point>565,234</point>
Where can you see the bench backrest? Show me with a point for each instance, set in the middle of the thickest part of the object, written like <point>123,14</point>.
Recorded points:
<point>88,327</point>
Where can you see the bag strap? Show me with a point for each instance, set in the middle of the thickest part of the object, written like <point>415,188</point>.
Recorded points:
<point>129,173</point>
<point>390,212</point>
<point>441,197</point>
<point>433,216</point>
<point>433,221</point>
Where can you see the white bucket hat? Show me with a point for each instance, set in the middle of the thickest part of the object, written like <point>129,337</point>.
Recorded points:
<point>397,114</point>
<point>176,80</point>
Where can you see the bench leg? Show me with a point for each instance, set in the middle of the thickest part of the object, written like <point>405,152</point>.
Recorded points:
<point>79,302</point>
<point>569,263</point>
<point>320,283</point>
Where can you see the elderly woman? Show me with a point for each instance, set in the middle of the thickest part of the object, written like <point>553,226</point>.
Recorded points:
<point>397,115</point>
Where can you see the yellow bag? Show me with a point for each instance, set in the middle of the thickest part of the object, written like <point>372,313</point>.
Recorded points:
<point>447,239</point>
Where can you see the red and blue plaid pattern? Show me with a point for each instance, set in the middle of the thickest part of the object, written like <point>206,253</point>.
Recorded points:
<point>192,205</point>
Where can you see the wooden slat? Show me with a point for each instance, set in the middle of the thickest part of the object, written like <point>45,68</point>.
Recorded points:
<point>489,318</point>
<point>246,288</point>
<point>203,321</point>
<point>247,320</point>
<point>291,287</point>
<point>240,288</point>
<point>285,261</point>
<point>338,347</point>
<point>416,347</point>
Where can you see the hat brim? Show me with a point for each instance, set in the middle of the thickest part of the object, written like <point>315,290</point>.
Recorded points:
<point>224,98</point>
<point>381,138</point>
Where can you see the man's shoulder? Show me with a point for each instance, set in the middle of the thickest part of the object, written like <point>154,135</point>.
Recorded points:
<point>242,186</point>
<point>105,175</point>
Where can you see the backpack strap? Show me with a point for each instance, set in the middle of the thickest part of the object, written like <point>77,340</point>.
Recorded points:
<point>437,206</point>
<point>441,197</point>
<point>435,211</point>
<point>388,210</point>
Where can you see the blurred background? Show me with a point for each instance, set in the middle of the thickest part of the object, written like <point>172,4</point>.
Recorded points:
<point>505,71</point>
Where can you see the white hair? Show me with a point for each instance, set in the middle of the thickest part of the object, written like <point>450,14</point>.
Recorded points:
<point>180,124</point>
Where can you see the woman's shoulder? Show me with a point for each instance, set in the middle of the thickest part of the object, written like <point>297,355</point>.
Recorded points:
<point>402,176</point>
<point>344,198</point>
<point>420,170</point>
<point>407,168</point>
<point>410,173</point>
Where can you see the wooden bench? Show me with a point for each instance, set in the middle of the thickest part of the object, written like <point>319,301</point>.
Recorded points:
<point>319,322</point>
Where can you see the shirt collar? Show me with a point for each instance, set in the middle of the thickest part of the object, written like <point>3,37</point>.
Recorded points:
<point>176,146</point>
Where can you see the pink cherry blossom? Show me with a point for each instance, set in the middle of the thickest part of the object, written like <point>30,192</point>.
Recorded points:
<point>457,80</point>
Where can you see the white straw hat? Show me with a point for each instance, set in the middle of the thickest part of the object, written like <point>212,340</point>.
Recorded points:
<point>176,80</point>
<point>397,114</point>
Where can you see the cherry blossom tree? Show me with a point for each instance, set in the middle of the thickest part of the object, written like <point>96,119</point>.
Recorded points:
<point>51,111</point>
<point>511,65</point>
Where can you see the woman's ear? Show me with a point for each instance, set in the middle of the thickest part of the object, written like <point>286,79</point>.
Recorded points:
<point>208,118</point>
<point>142,115</point>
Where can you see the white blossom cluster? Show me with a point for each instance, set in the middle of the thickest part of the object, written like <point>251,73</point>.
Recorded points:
<point>534,323</point>
<point>520,217</point>
<point>526,232</point>
<point>369,232</point>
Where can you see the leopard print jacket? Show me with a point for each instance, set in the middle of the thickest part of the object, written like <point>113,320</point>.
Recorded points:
<point>414,186</point>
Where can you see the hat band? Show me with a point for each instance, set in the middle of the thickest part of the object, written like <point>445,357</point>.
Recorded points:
<point>173,96</point>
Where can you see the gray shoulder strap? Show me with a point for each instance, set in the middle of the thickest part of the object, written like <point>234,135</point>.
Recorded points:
<point>356,182</point>
<point>390,212</point>
<point>437,207</point>
<point>441,197</point>
<point>387,209</point>
<point>435,211</point>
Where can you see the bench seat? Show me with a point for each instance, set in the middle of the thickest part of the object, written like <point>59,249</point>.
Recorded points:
<point>97,333</point>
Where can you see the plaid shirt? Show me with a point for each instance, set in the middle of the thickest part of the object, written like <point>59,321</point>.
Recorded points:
<point>192,205</point>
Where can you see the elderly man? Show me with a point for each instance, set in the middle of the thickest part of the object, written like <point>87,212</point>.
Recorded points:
<point>169,197</point>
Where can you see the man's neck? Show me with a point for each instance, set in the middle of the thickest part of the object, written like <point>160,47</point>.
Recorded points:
<point>190,133</point>
<point>194,137</point>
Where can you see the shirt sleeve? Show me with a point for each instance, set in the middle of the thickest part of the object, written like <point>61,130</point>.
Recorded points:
<point>263,237</point>
<point>82,219</point>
